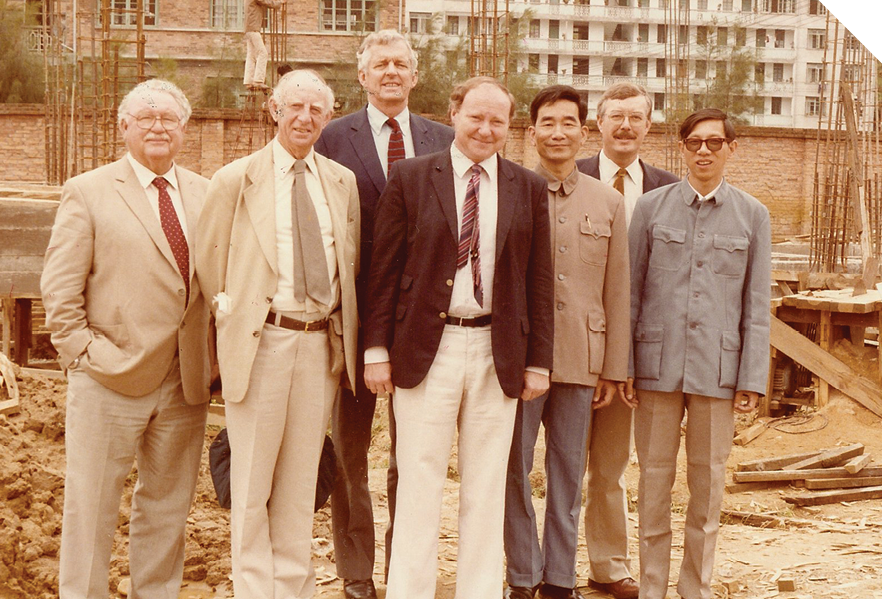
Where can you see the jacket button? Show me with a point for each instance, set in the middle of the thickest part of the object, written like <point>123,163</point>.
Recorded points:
<point>256,333</point>
<point>560,306</point>
<point>700,264</point>
<point>443,315</point>
<point>181,292</point>
<point>563,249</point>
<point>561,277</point>
<point>562,219</point>
<point>450,282</point>
<point>269,300</point>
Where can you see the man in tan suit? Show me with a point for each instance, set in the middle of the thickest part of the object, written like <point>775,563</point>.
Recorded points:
<point>278,254</point>
<point>130,324</point>
<point>591,341</point>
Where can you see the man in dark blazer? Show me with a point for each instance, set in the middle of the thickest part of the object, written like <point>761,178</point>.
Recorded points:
<point>460,324</point>
<point>624,117</point>
<point>368,142</point>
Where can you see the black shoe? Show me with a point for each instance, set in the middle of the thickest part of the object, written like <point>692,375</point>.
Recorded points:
<point>359,589</point>
<point>550,591</point>
<point>520,592</point>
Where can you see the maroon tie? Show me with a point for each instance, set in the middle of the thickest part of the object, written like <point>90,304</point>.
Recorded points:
<point>174,233</point>
<point>396,145</point>
<point>470,234</point>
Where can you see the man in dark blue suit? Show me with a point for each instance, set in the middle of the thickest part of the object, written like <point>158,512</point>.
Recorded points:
<point>368,142</point>
<point>624,117</point>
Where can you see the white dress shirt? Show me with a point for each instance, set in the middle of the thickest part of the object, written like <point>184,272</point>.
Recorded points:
<point>382,132</point>
<point>283,173</point>
<point>633,181</point>
<point>145,179</point>
<point>709,196</point>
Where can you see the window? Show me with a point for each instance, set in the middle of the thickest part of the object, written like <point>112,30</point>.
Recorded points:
<point>452,25</point>
<point>349,15</point>
<point>778,6</point>
<point>814,72</point>
<point>659,101</point>
<point>660,67</point>
<point>581,66</point>
<point>851,42</point>
<point>419,22</point>
<point>662,34</point>
<point>722,68</point>
<point>701,69</point>
<point>776,105</point>
<point>701,36</point>
<point>643,4</point>
<point>123,12</point>
<point>779,38</point>
<point>580,31</point>
<point>759,73</point>
<point>817,39</point>
<point>228,14</point>
<point>552,63</point>
<point>851,72</point>
<point>533,62</point>
<point>643,32</point>
<point>553,29</point>
<point>777,72</point>
<point>727,5</point>
<point>534,29</point>
<point>702,4</point>
<point>722,36</point>
<point>741,36</point>
<point>642,67</point>
<point>812,106</point>
<point>761,38</point>
<point>816,8</point>
<point>746,5</point>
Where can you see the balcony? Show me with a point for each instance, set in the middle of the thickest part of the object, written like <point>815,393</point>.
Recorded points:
<point>770,54</point>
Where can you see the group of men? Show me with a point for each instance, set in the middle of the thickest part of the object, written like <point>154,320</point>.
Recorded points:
<point>386,253</point>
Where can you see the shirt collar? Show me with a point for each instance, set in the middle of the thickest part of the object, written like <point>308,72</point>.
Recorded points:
<point>713,195</point>
<point>608,168</point>
<point>554,184</point>
<point>284,162</point>
<point>377,119</point>
<point>146,176</point>
<point>462,164</point>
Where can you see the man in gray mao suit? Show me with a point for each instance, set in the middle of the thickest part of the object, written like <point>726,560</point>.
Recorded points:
<point>368,142</point>
<point>700,271</point>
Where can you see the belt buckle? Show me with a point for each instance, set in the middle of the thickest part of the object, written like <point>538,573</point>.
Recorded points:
<point>306,325</point>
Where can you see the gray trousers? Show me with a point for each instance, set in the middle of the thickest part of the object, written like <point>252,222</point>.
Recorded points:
<point>566,413</point>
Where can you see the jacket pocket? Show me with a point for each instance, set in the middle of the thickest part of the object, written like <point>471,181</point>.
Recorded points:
<point>730,359</point>
<point>730,255</point>
<point>648,341</point>
<point>668,248</point>
<point>596,343</point>
<point>594,243</point>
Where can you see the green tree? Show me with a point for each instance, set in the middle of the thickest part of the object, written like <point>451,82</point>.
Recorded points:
<point>732,87</point>
<point>21,70</point>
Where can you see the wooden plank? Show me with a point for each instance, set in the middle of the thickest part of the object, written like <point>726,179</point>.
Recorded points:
<point>9,407</point>
<point>7,309</point>
<point>801,315</point>
<point>746,436</point>
<point>812,473</point>
<point>776,463</point>
<point>844,483</point>
<point>857,463</point>
<point>839,300</point>
<point>825,332</point>
<point>763,520</point>
<point>791,276</point>
<point>829,458</point>
<point>835,496</point>
<point>805,353</point>
<point>733,488</point>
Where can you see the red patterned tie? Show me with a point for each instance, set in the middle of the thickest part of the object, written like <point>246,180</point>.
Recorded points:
<point>174,233</point>
<point>470,234</point>
<point>396,145</point>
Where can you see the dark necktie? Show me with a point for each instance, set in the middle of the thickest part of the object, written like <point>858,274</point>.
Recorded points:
<point>168,218</point>
<point>470,234</point>
<point>619,183</point>
<point>310,262</point>
<point>396,145</point>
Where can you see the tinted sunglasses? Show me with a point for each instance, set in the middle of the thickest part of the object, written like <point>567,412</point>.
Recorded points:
<point>693,144</point>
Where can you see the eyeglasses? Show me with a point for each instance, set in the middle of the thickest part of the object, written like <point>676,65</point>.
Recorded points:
<point>168,122</point>
<point>714,144</point>
<point>635,118</point>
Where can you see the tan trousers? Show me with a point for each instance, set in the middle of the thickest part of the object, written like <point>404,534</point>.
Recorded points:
<point>105,432</point>
<point>709,430</point>
<point>606,508</point>
<point>460,391</point>
<point>276,435</point>
<point>255,58</point>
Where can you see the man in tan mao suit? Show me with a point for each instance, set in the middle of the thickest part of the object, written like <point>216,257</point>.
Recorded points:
<point>591,341</point>
<point>282,327</point>
<point>130,324</point>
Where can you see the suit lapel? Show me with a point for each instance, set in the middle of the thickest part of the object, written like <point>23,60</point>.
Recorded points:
<point>191,210</point>
<point>260,190</point>
<point>442,180</point>
<point>649,180</point>
<point>506,192</point>
<point>338,199</point>
<point>362,140</point>
<point>131,192</point>
<point>422,141</point>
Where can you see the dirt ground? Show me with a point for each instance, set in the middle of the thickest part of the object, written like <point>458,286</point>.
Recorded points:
<point>830,551</point>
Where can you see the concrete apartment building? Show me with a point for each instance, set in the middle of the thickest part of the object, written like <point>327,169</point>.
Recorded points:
<point>591,44</point>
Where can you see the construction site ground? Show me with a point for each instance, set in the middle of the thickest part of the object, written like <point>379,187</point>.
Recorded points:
<point>829,551</point>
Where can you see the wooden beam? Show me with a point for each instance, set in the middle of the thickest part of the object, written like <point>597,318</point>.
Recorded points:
<point>9,406</point>
<point>748,435</point>
<point>776,463</point>
<point>805,353</point>
<point>835,496</point>
<point>733,488</point>
<point>813,473</point>
<point>857,463</point>
<point>764,520</point>
<point>829,458</point>
<point>844,483</point>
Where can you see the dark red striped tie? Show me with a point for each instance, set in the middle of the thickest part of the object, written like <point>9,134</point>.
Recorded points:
<point>396,145</point>
<point>470,234</point>
<point>174,233</point>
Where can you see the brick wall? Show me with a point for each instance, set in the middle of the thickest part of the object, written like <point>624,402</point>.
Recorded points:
<point>775,165</point>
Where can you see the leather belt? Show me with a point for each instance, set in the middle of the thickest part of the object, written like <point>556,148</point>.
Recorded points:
<point>286,322</point>
<point>474,321</point>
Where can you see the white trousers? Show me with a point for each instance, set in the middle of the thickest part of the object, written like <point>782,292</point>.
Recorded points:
<point>461,390</point>
<point>255,58</point>
<point>276,435</point>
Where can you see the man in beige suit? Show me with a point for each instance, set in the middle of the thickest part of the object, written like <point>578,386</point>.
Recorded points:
<point>591,341</point>
<point>130,324</point>
<point>278,254</point>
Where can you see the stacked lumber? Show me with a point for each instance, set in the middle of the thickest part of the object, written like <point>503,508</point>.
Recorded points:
<point>837,474</point>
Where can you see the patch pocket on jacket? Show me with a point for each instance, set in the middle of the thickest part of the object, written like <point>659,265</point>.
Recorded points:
<point>730,255</point>
<point>730,359</point>
<point>594,243</point>
<point>596,343</point>
<point>668,248</point>
<point>648,341</point>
